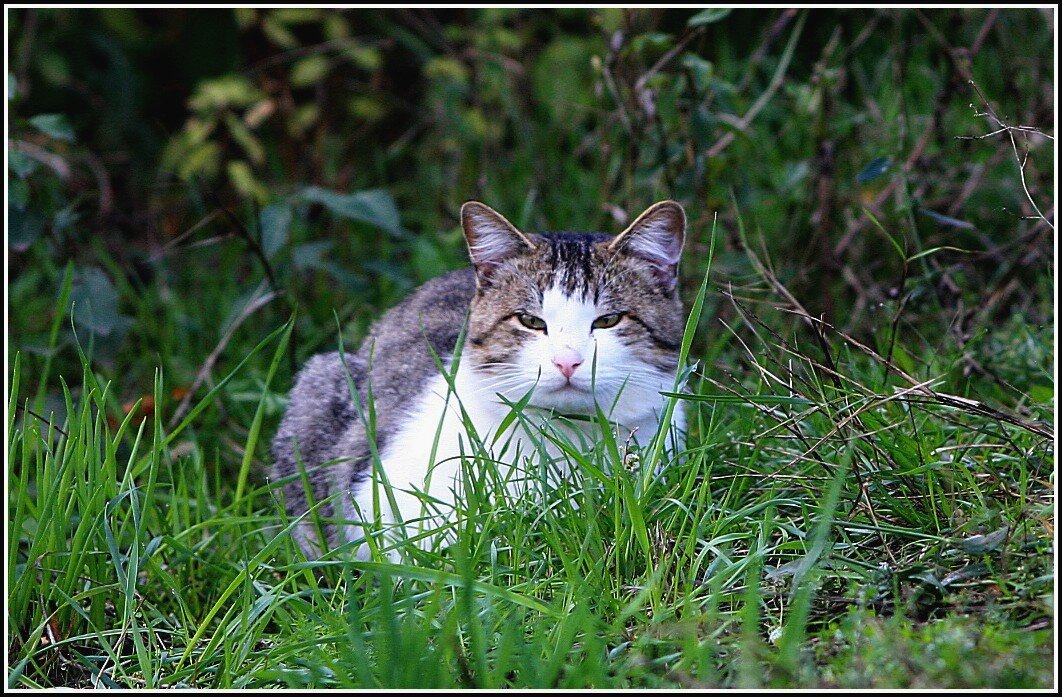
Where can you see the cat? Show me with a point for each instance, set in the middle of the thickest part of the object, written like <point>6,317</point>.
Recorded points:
<point>557,324</point>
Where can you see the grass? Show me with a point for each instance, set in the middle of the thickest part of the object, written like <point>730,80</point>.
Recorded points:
<point>829,525</point>
<point>867,495</point>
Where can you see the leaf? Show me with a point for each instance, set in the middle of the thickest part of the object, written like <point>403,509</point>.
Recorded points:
<point>569,98</point>
<point>309,70</point>
<point>450,580</point>
<point>946,219</point>
<point>244,181</point>
<point>875,169</point>
<point>275,220</point>
<point>311,256</point>
<point>256,425</point>
<point>308,255</point>
<point>1042,394</point>
<point>929,578</point>
<point>654,40</point>
<point>226,91</point>
<point>94,303</point>
<point>296,15</point>
<point>279,34</point>
<point>55,125</point>
<point>373,206</point>
<point>934,250</point>
<point>245,16</point>
<point>701,70</point>
<point>965,574</point>
<point>365,57</point>
<point>712,14</point>
<point>17,194</point>
<point>983,544</point>
<point>24,227</point>
<point>773,573</point>
<point>881,228</point>
<point>740,399</point>
<point>242,135</point>
<point>20,163</point>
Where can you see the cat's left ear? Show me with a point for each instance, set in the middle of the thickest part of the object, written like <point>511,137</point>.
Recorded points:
<point>491,238</point>
<point>656,236</point>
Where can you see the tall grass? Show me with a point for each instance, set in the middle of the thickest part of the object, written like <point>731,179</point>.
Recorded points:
<point>814,499</point>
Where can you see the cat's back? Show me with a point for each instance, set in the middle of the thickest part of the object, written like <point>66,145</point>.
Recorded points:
<point>395,363</point>
<point>399,347</point>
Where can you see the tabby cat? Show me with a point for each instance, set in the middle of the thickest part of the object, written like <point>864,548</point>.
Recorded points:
<point>554,326</point>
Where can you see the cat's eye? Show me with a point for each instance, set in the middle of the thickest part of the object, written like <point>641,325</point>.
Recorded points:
<point>531,322</point>
<point>607,321</point>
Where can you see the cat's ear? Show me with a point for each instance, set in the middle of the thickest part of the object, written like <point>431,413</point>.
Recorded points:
<point>656,236</point>
<point>491,238</point>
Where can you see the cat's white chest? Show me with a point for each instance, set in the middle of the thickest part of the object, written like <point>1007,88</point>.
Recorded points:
<point>427,460</point>
<point>423,461</point>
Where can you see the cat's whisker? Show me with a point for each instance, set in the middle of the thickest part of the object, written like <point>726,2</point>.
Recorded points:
<point>493,364</point>
<point>505,385</point>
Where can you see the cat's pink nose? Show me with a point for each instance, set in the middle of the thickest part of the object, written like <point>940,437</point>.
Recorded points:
<point>567,361</point>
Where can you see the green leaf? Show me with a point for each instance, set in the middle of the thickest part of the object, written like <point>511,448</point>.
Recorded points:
<point>250,446</point>
<point>311,256</point>
<point>651,41</point>
<point>373,206</point>
<point>17,194</point>
<point>279,34</point>
<point>740,398</point>
<point>20,163</point>
<point>242,135</point>
<point>983,544</point>
<point>24,227</point>
<point>701,70</point>
<point>453,581</point>
<point>934,250</point>
<point>712,14</point>
<point>226,91</point>
<point>965,574</point>
<point>573,96</point>
<point>244,180</point>
<point>54,125</point>
<point>94,302</point>
<point>1042,394</point>
<point>309,70</point>
<point>296,15</point>
<point>275,221</point>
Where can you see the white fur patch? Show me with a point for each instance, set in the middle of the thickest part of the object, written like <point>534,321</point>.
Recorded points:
<point>426,460</point>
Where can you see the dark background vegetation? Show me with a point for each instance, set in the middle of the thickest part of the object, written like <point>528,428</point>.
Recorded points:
<point>196,176</point>
<point>170,125</point>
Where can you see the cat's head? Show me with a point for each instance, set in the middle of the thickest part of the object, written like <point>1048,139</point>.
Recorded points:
<point>576,316</point>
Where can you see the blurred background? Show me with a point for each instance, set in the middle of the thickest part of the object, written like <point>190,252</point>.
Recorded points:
<point>186,179</point>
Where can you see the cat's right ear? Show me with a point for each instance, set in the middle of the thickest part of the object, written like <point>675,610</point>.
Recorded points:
<point>656,236</point>
<point>491,238</point>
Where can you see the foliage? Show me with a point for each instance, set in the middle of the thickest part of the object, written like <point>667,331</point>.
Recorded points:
<point>868,496</point>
